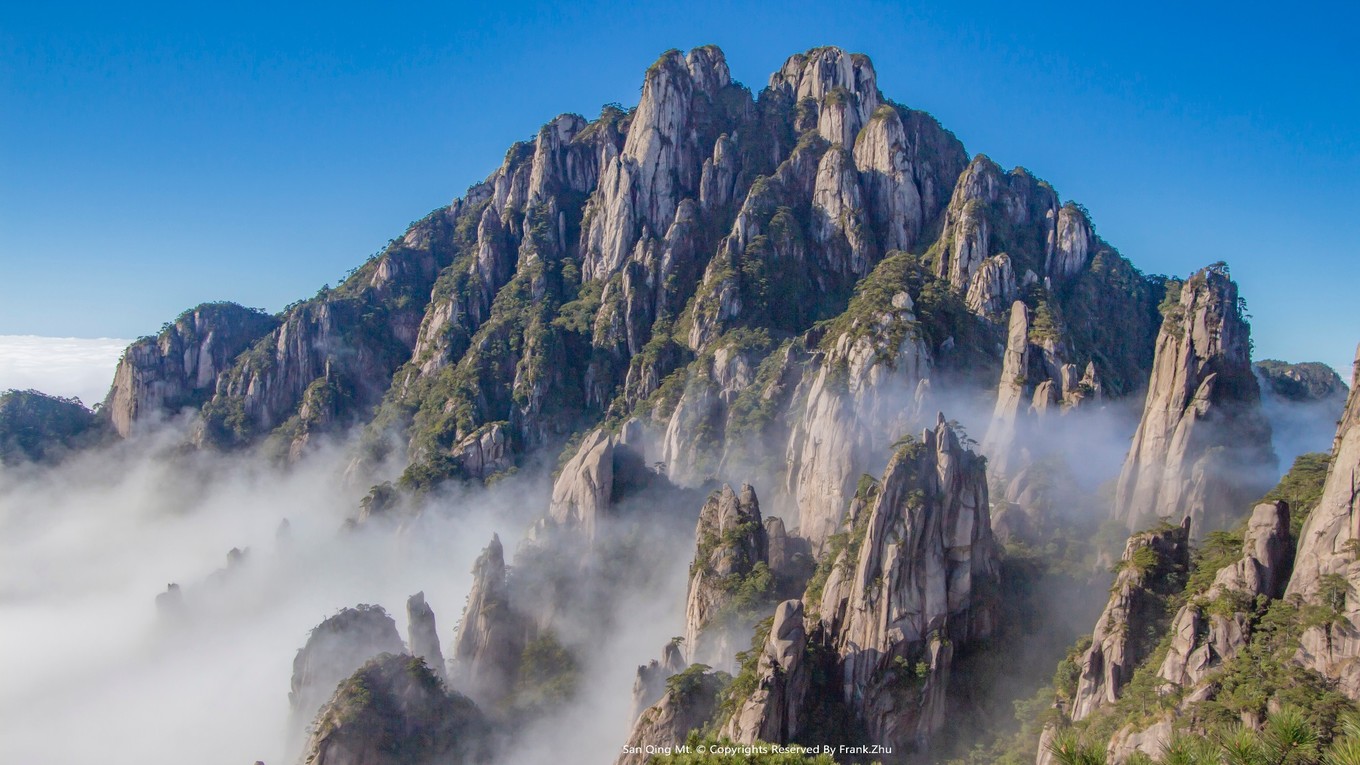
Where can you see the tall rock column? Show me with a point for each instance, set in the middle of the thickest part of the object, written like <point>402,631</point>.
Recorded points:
<point>730,546</point>
<point>920,588</point>
<point>423,635</point>
<point>490,638</point>
<point>1203,447</point>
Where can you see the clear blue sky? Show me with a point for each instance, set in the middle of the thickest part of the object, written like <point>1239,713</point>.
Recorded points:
<point>155,157</point>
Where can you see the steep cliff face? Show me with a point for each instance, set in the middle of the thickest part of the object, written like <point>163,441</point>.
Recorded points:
<point>335,649</point>
<point>1215,627</point>
<point>1203,446</point>
<point>604,470</point>
<point>1326,571</point>
<point>993,212</point>
<point>395,711</point>
<point>858,393</point>
<point>692,239</point>
<point>424,635</point>
<point>1152,567</point>
<point>491,635</point>
<point>330,359</point>
<point>729,576</point>
<point>178,368</point>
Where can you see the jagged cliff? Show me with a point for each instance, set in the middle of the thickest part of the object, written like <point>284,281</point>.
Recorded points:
<point>178,369</point>
<point>874,638</point>
<point>1216,626</point>
<point>673,261</point>
<point>423,635</point>
<point>1325,569</point>
<point>1203,447</point>
<point>774,288</point>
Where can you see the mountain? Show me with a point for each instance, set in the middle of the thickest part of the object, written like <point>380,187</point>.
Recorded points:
<point>786,291</point>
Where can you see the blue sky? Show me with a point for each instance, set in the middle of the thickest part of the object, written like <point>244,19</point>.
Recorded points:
<point>152,158</point>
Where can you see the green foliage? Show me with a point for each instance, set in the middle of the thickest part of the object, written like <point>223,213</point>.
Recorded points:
<point>1301,487</point>
<point>36,427</point>
<point>1170,307</point>
<point>548,674</point>
<point>685,684</point>
<point>1217,550</point>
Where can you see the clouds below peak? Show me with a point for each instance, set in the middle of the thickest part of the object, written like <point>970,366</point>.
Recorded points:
<point>60,366</point>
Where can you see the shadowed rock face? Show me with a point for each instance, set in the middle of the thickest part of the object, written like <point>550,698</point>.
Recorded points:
<point>490,640</point>
<point>335,649</point>
<point>1153,566</point>
<point>1202,449</point>
<point>774,711</point>
<point>424,635</point>
<point>395,711</point>
<point>920,587</point>
<point>1326,571</point>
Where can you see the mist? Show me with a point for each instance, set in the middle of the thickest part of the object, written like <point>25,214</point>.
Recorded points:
<point>1299,426</point>
<point>93,673</point>
<point>60,366</point>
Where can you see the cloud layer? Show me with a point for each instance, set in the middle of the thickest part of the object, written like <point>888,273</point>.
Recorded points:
<point>60,366</point>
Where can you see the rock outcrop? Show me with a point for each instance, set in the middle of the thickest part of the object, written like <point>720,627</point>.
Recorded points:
<point>1000,442</point>
<point>1216,626</point>
<point>334,650</point>
<point>1153,566</point>
<point>177,369</point>
<point>650,684</point>
<point>602,472</point>
<point>424,635</point>
<point>661,160</point>
<point>689,703</point>
<point>1326,571</point>
<point>491,635</point>
<point>731,549</point>
<point>395,711</point>
<point>1203,446</point>
<point>915,580</point>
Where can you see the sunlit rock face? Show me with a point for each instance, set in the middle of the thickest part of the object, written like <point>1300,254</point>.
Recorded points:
<point>1203,447</point>
<point>1325,569</point>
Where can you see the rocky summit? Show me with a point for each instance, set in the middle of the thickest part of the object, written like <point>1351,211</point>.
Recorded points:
<point>709,365</point>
